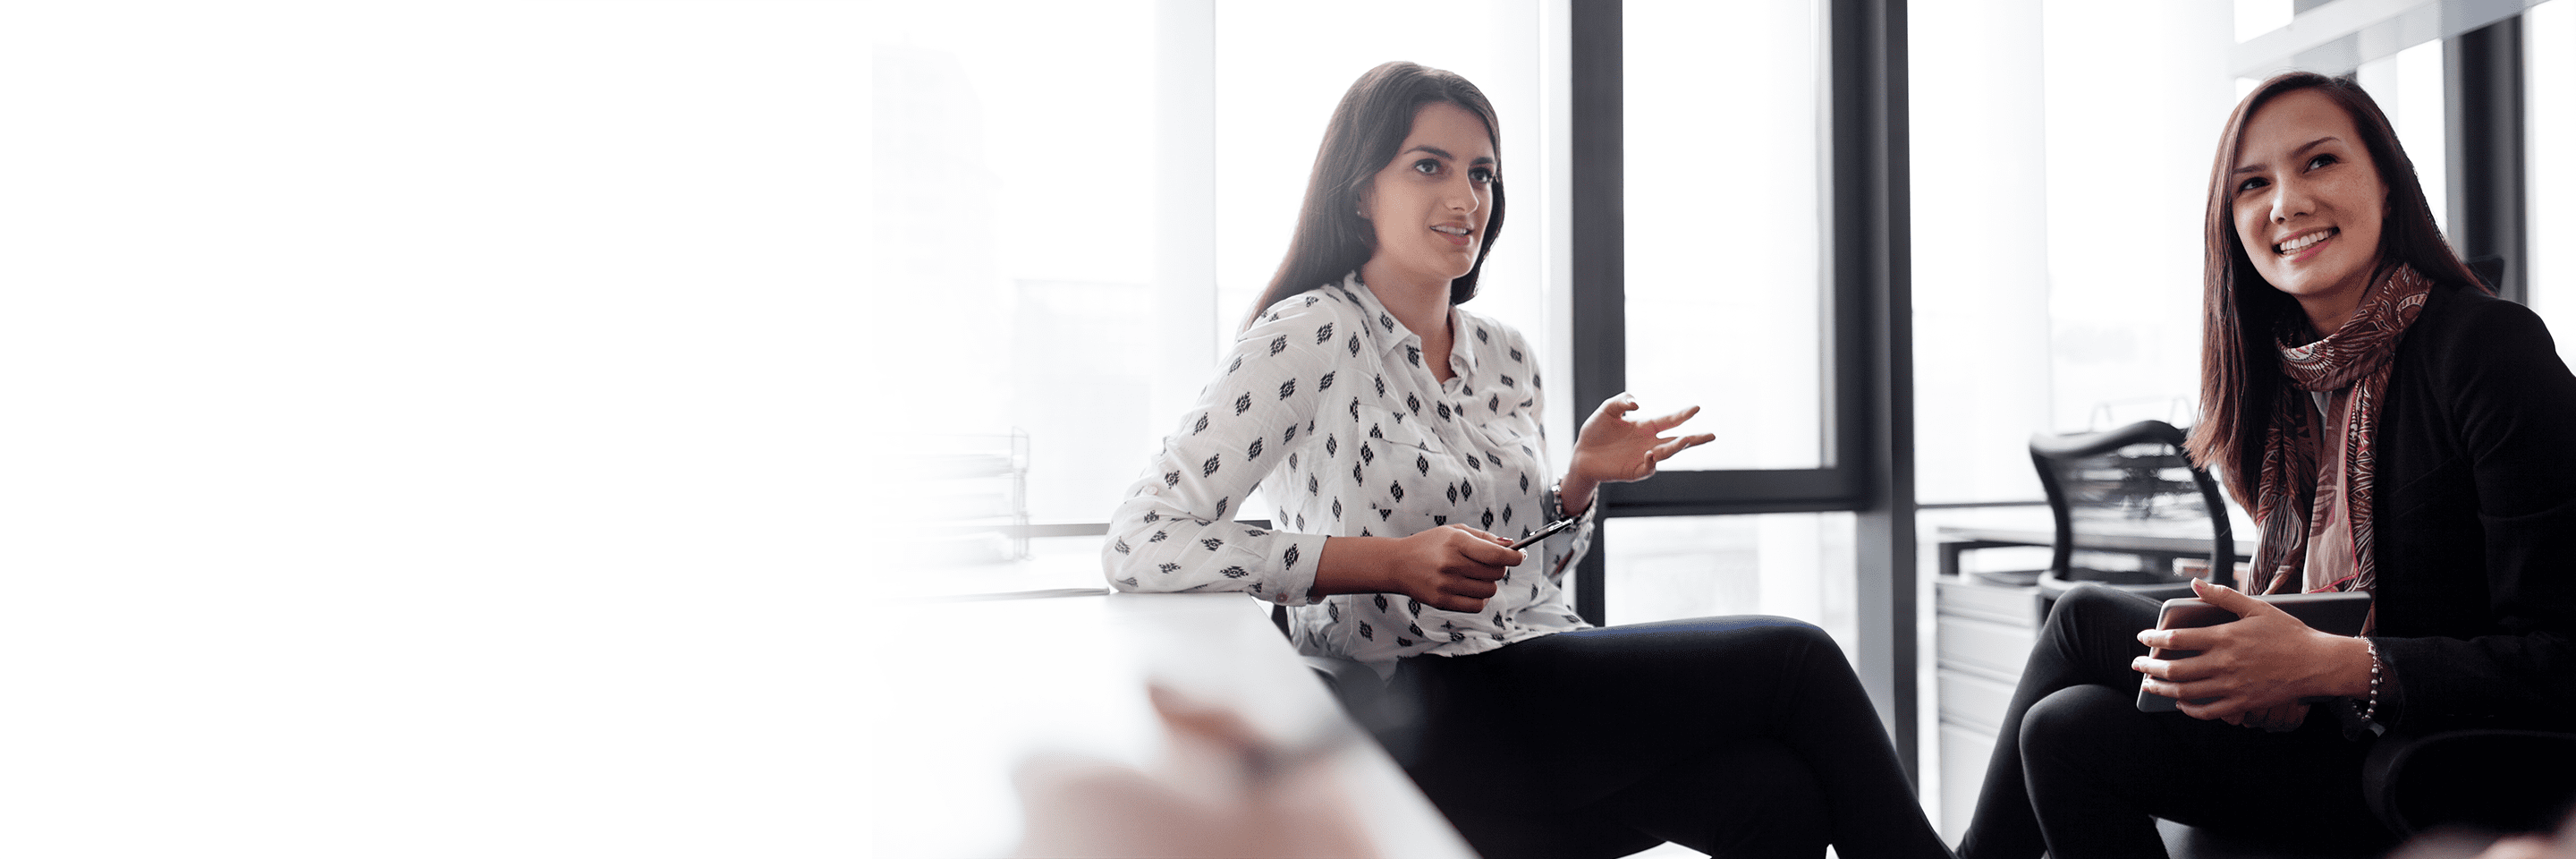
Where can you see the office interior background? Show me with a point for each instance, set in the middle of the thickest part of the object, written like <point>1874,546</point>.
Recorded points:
<point>1149,157</point>
<point>486,427</point>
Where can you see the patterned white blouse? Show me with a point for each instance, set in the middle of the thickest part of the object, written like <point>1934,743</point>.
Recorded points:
<point>1327,399</point>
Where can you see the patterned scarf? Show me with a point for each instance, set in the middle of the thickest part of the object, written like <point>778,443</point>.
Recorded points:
<point>2357,356</point>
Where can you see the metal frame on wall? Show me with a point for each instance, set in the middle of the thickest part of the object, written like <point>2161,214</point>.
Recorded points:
<point>2483,105</point>
<point>1869,401</point>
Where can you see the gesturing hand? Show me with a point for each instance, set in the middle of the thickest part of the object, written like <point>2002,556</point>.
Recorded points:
<point>1452,567</point>
<point>1613,448</point>
<point>2257,666</point>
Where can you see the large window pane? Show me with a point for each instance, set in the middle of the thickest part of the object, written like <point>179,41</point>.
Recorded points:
<point>1724,280</point>
<point>1014,228</point>
<point>2135,98</point>
<point>1796,565</point>
<point>1981,335</point>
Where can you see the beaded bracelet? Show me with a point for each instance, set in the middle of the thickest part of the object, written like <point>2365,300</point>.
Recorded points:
<point>2370,711</point>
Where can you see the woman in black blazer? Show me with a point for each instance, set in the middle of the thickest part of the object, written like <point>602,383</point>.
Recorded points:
<point>2394,429</point>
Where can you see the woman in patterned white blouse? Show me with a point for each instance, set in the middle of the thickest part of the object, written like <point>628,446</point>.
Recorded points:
<point>1400,439</point>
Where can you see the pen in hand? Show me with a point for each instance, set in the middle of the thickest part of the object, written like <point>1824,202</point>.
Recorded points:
<point>1543,533</point>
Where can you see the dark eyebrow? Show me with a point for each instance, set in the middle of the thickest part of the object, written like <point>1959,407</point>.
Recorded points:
<point>2253,168</point>
<point>1443,153</point>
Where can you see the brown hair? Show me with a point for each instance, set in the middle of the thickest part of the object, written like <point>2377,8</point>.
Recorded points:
<point>1368,127</point>
<point>2242,316</point>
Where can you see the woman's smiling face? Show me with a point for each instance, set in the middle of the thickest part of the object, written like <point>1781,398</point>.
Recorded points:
<point>2308,203</point>
<point>1429,205</point>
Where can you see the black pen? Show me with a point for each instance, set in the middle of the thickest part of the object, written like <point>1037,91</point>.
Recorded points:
<point>1546,532</point>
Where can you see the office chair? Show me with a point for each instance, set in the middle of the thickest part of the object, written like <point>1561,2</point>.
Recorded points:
<point>2129,482</point>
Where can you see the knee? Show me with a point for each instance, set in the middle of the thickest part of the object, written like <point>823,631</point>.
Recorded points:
<point>1785,633</point>
<point>2099,614</point>
<point>1738,633</point>
<point>2073,723</point>
<point>2085,600</point>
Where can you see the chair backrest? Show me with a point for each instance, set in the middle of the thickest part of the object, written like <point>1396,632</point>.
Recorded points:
<point>2131,481</point>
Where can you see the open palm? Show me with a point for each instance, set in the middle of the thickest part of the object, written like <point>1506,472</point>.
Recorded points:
<point>1616,448</point>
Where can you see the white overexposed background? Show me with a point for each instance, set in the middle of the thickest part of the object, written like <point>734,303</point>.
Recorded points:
<point>432,429</point>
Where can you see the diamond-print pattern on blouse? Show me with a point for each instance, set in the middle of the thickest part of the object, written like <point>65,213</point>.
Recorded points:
<point>1275,418</point>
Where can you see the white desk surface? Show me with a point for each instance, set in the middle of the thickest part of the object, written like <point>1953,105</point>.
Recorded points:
<point>969,688</point>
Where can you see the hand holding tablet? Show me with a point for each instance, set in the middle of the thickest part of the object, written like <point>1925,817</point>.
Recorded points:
<point>2336,613</point>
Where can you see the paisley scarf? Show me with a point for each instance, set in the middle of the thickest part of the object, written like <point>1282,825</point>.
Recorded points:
<point>2357,356</point>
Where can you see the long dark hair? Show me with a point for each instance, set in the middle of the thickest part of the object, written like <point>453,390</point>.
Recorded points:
<point>2242,315</point>
<point>1368,127</point>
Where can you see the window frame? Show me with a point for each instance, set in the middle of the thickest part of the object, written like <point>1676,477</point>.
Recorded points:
<point>1868,421</point>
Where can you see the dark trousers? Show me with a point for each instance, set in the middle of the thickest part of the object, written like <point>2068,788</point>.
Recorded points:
<point>1735,736</point>
<point>2081,773</point>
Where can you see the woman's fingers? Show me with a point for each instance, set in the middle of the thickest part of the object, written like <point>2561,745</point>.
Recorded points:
<point>2174,670</point>
<point>2221,693</point>
<point>2177,688</point>
<point>1453,602</point>
<point>2232,599</point>
<point>1479,549</point>
<point>1487,553</point>
<point>1660,424</point>
<point>1454,593</point>
<point>2194,638</point>
<point>1669,447</point>
<point>1475,589</point>
<point>2159,687</point>
<point>2153,668</point>
<point>2212,710</point>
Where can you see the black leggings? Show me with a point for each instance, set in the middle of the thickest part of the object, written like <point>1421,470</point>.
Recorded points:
<point>2079,771</point>
<point>1735,736</point>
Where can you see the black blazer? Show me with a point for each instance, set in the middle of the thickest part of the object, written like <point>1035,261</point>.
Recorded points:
<point>2475,519</point>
